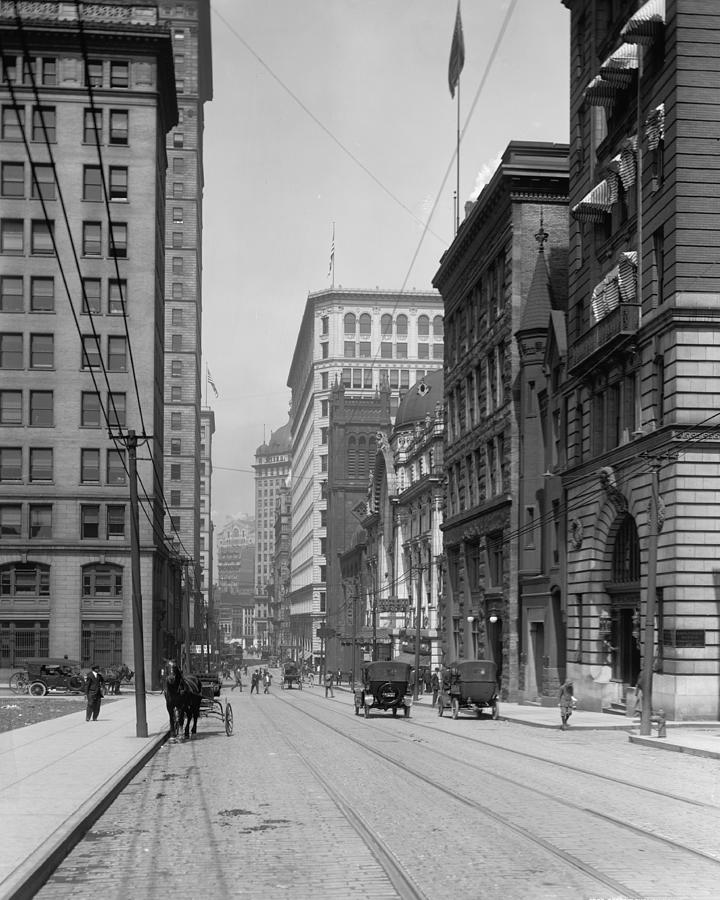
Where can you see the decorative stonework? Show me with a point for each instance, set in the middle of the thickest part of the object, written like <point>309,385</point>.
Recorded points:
<point>576,534</point>
<point>608,482</point>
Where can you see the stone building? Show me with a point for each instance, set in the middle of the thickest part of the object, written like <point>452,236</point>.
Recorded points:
<point>641,477</point>
<point>484,279</point>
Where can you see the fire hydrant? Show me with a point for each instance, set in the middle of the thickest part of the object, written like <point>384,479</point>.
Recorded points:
<point>658,719</point>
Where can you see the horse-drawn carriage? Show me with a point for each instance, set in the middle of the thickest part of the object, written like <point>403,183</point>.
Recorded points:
<point>385,685</point>
<point>290,675</point>
<point>190,696</point>
<point>469,684</point>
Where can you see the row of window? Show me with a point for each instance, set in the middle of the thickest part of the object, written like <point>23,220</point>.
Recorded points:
<point>42,352</point>
<point>95,300</point>
<point>482,392</point>
<point>35,521</point>
<point>388,350</point>
<point>33,580</point>
<point>353,324</point>
<point>477,477</point>
<point>14,239</point>
<point>43,185</point>
<point>41,465</point>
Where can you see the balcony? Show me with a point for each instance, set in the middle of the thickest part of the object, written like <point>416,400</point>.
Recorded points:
<point>610,334</point>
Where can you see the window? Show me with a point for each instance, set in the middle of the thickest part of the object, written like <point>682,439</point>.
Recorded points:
<point>13,122</point>
<point>117,354</point>
<point>116,409</point>
<point>349,349</point>
<point>176,447</point>
<point>175,498</point>
<point>401,326</point>
<point>324,378</point>
<point>42,233</point>
<point>91,121</point>
<point>92,183</point>
<point>41,464</point>
<point>178,165</point>
<point>10,464</point>
<point>176,368</point>
<point>12,239</point>
<point>177,290</point>
<point>41,409</point>
<point>494,543</point>
<point>42,351</point>
<point>94,73</point>
<point>177,265</point>
<point>43,124</point>
<point>29,579</point>
<point>90,351</point>
<point>42,294</point>
<point>176,421</point>
<point>385,350</point>
<point>177,239</point>
<point>90,410</point>
<point>176,393</point>
<point>119,126</point>
<point>119,74</point>
<point>325,350</point>
<point>115,522</point>
<point>175,472</point>
<point>438,351</point>
<point>386,326</point>
<point>438,328</point>
<point>13,179</point>
<point>324,434</point>
<point>350,323</point>
<point>178,140</point>
<point>116,466</point>
<point>423,351</point>
<point>89,522</point>
<point>364,350</point>
<point>346,378</point>
<point>117,243</point>
<point>92,239</point>
<point>10,524</point>
<point>423,327</point>
<point>177,317</point>
<point>117,297</point>
<point>43,183</point>
<point>401,350</point>
<point>323,463</point>
<point>11,351</point>
<point>102,580</point>
<point>92,300</point>
<point>10,407</point>
<point>176,343</point>
<point>11,293</point>
<point>90,466</point>
<point>118,183</point>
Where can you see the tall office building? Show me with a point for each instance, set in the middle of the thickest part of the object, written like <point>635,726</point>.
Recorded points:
<point>359,339</point>
<point>205,607</point>
<point>84,114</point>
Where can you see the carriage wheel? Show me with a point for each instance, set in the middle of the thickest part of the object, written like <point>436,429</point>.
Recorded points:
<point>496,710</point>
<point>455,707</point>
<point>19,683</point>
<point>38,689</point>
<point>228,719</point>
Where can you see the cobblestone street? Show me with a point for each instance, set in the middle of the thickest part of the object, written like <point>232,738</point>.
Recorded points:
<point>307,801</point>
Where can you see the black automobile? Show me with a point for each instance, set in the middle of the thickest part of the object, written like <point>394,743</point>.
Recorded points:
<point>385,685</point>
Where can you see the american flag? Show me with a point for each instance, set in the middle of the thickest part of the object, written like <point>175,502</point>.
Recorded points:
<point>457,53</point>
<point>332,253</point>
<point>211,382</point>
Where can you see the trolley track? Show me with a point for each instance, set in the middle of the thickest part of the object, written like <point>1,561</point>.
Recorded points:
<point>587,869</point>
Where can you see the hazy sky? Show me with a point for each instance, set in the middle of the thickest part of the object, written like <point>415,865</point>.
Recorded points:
<point>339,111</point>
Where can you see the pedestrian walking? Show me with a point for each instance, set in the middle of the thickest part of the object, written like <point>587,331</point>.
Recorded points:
<point>567,702</point>
<point>255,683</point>
<point>329,684</point>
<point>238,680</point>
<point>94,693</point>
<point>435,685</point>
<point>267,679</point>
<point>338,677</point>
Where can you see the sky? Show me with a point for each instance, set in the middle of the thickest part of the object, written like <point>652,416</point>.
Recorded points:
<point>339,111</point>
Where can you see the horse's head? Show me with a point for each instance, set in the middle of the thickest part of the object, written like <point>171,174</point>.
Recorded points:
<point>173,676</point>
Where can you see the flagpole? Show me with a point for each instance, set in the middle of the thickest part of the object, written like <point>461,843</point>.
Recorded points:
<point>457,163</point>
<point>206,382</point>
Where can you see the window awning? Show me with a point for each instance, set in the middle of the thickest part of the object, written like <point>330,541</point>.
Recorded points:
<point>643,26</point>
<point>618,68</point>
<point>599,202</point>
<point>600,92</point>
<point>655,127</point>
<point>606,295</point>
<point>627,276</point>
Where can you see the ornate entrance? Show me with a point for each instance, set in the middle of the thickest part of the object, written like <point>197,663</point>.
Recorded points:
<point>622,636</point>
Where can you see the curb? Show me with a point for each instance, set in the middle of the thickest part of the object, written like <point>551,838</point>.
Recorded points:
<point>31,875</point>
<point>667,744</point>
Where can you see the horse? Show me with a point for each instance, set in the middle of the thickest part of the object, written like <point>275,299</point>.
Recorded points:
<point>183,693</point>
<point>114,677</point>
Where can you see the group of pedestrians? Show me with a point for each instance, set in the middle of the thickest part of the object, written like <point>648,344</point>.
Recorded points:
<point>258,677</point>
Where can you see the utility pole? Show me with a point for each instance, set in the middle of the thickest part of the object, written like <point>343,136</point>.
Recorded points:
<point>648,663</point>
<point>186,616</point>
<point>141,728</point>
<point>418,614</point>
<point>354,627</point>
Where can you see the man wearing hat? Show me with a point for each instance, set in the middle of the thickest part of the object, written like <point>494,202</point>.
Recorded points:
<point>94,693</point>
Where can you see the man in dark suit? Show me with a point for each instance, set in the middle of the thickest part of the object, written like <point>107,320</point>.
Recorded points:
<point>94,693</point>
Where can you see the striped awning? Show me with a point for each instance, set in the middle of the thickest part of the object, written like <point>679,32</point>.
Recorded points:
<point>643,26</point>
<point>599,202</point>
<point>628,162</point>
<point>655,127</point>
<point>619,67</point>
<point>600,92</point>
<point>606,295</point>
<point>627,276</point>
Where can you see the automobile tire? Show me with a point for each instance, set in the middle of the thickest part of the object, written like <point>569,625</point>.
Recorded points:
<point>38,689</point>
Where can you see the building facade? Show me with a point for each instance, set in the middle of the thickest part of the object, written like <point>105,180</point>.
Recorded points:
<point>484,279</point>
<point>641,478</point>
<point>361,339</point>
<point>96,105</point>
<point>204,610</point>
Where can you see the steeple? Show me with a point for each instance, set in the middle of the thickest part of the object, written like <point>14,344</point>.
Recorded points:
<point>538,305</point>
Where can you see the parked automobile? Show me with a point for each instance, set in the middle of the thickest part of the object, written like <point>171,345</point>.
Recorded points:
<point>469,684</point>
<point>385,685</point>
<point>53,674</point>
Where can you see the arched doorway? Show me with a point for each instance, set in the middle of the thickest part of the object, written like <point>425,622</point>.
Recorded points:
<point>622,634</point>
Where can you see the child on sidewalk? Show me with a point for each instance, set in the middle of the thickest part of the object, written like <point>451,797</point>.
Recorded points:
<point>567,702</point>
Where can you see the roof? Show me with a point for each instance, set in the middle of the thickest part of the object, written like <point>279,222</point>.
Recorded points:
<point>420,400</point>
<point>538,305</point>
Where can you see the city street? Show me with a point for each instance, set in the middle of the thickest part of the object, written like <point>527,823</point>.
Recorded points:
<point>305,800</point>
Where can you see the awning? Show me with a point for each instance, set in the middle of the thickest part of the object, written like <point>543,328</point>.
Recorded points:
<point>655,127</point>
<point>643,26</point>
<point>600,92</point>
<point>627,276</point>
<point>628,162</point>
<point>606,295</point>
<point>599,202</point>
<point>618,68</point>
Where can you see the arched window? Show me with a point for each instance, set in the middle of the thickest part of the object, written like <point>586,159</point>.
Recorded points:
<point>626,552</point>
<point>350,323</point>
<point>25,579</point>
<point>100,580</point>
<point>386,326</point>
<point>423,323</point>
<point>401,326</point>
<point>365,323</point>
<point>438,327</point>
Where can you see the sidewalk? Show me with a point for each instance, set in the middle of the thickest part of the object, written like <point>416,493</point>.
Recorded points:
<point>57,777</point>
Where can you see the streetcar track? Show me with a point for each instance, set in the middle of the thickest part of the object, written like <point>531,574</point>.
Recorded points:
<point>619,889</point>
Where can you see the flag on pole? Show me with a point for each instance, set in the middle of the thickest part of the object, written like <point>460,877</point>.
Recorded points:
<point>457,53</point>
<point>331,269</point>
<point>210,381</point>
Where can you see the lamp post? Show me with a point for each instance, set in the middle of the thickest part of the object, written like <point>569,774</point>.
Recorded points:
<point>648,663</point>
<point>418,615</point>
